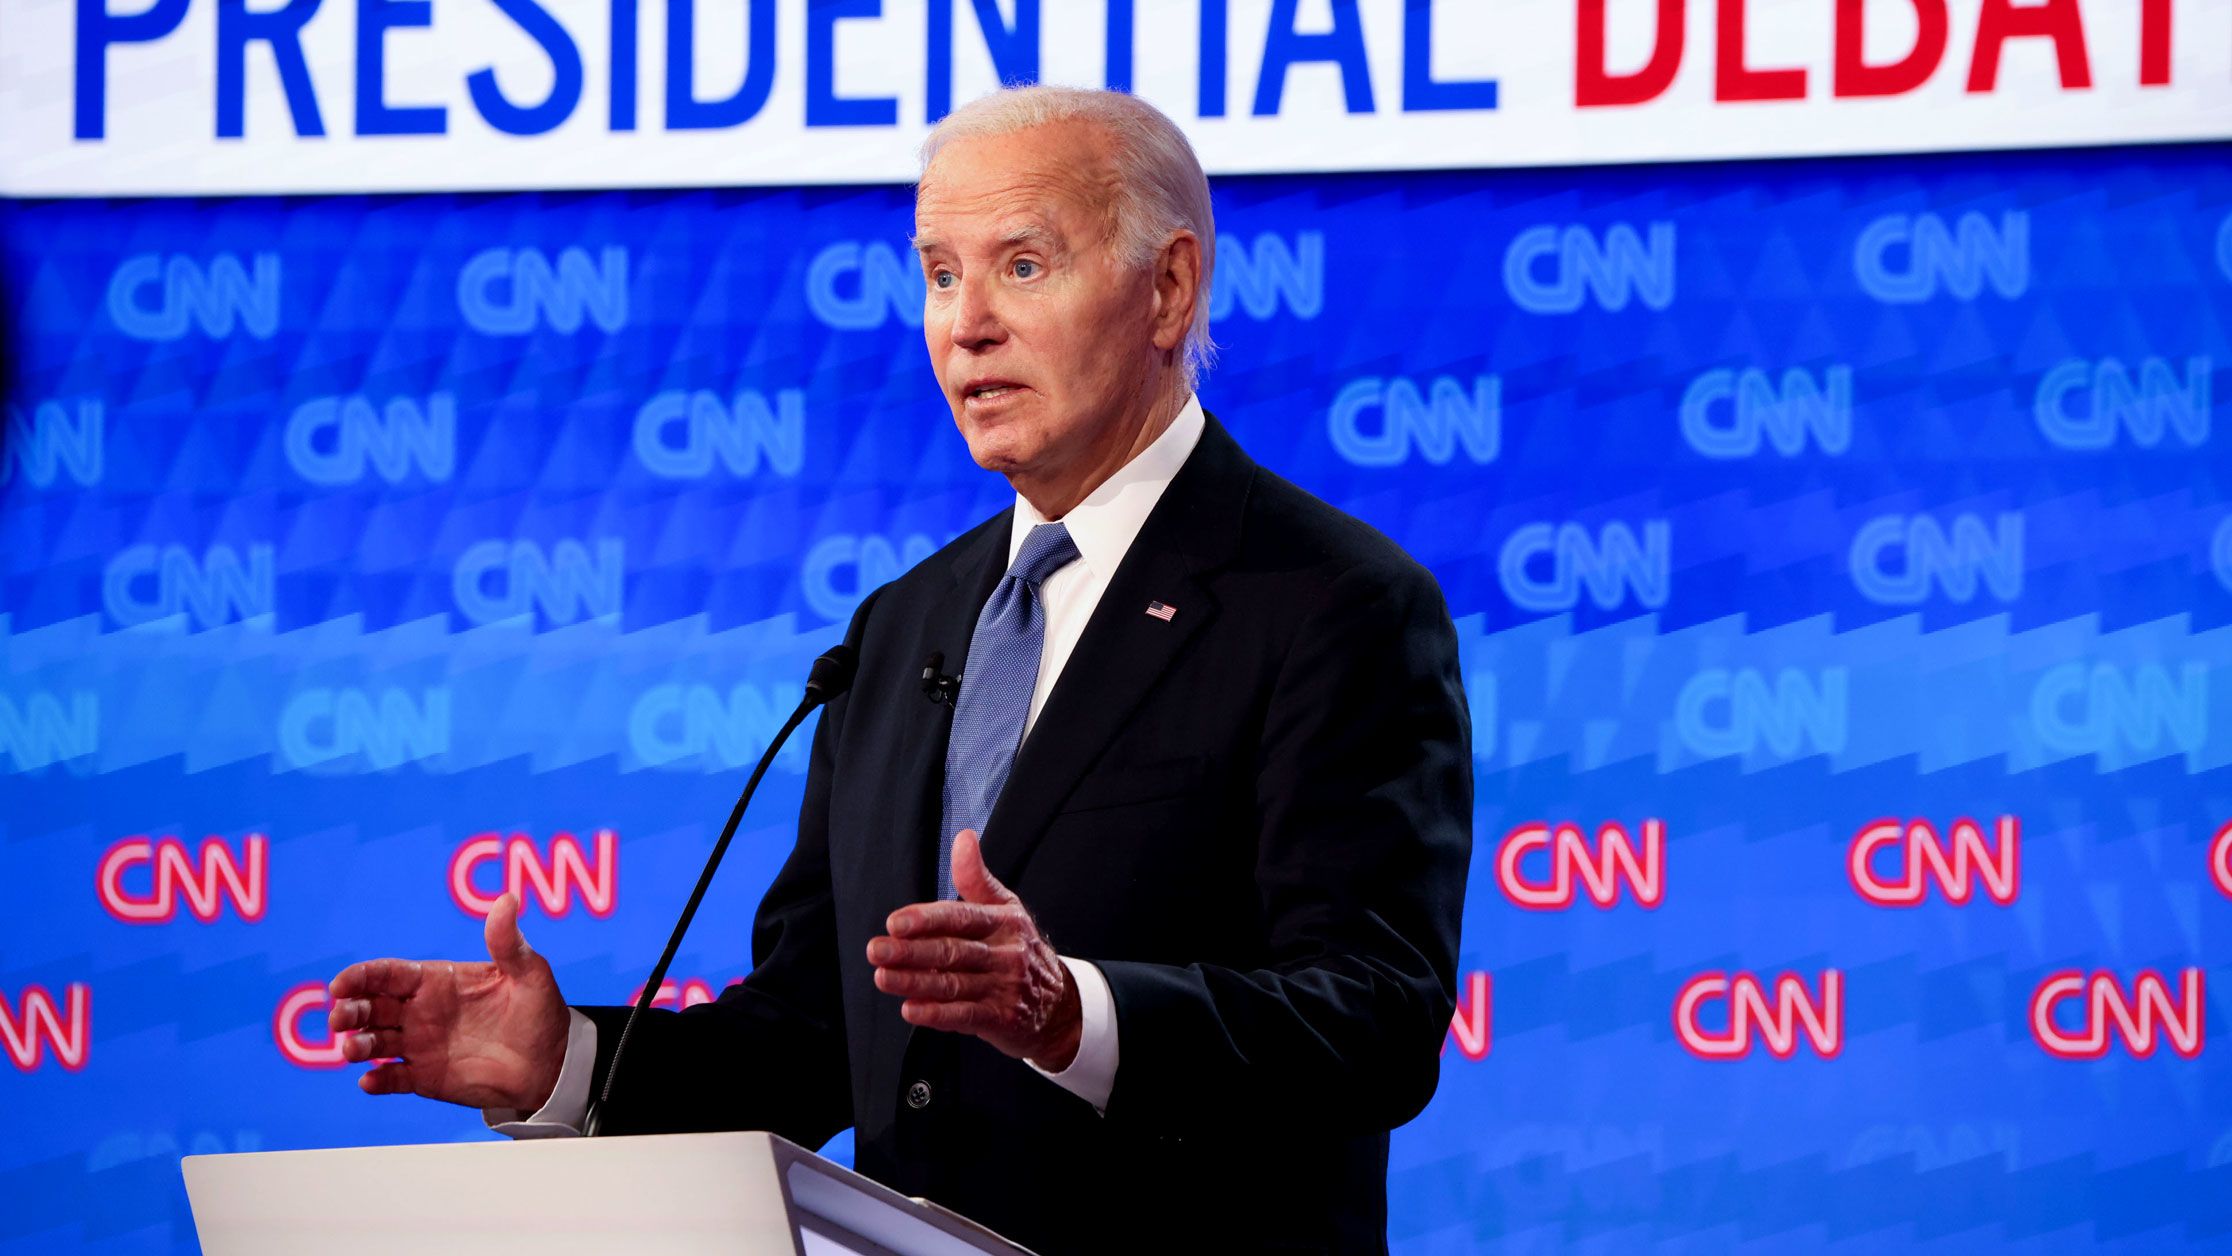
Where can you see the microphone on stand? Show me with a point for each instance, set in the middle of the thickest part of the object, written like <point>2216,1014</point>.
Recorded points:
<point>832,674</point>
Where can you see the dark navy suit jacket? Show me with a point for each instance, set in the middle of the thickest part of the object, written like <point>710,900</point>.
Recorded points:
<point>1256,818</point>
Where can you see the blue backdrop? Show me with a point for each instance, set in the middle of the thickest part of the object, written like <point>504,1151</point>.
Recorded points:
<point>410,547</point>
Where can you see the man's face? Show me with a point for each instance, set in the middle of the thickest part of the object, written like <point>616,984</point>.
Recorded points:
<point>1041,338</point>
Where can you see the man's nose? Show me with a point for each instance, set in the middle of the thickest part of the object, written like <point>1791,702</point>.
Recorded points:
<point>976,318</point>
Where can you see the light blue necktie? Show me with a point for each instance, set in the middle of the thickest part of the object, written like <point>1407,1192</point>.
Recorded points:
<point>996,690</point>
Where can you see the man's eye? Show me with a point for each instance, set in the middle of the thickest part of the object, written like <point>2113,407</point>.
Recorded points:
<point>1025,268</point>
<point>940,278</point>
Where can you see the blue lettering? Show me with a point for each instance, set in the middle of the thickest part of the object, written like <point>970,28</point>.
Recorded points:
<point>1798,715</point>
<point>1935,560</point>
<point>560,296</point>
<point>1436,427</point>
<point>50,442</point>
<point>214,298</point>
<point>1211,69</point>
<point>676,725</point>
<point>215,589</point>
<point>374,116</point>
<point>1117,75</point>
<point>1610,272</point>
<point>684,111</point>
<point>40,732</point>
<point>566,583</point>
<point>1612,564</point>
<point>1959,261</point>
<point>2158,404</point>
<point>565,76</point>
<point>824,107</point>
<point>1283,47</point>
<point>740,433</point>
<point>1421,91</point>
<point>97,28</point>
<point>872,560</point>
<point>1014,49</point>
<point>1758,411</point>
<point>1260,278</point>
<point>887,286</point>
<point>387,731</point>
<point>406,433</point>
<point>2138,710</point>
<point>237,27</point>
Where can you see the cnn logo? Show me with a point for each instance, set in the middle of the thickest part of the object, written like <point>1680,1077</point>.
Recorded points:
<point>34,1025</point>
<point>569,870</point>
<point>1922,857</point>
<point>303,1047</point>
<point>206,879</point>
<point>2138,1017</point>
<point>1600,869</point>
<point>1756,1015</point>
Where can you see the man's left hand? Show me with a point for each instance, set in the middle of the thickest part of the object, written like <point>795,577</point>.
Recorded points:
<point>978,965</point>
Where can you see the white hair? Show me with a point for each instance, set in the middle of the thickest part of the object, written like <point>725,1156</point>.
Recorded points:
<point>1160,188</point>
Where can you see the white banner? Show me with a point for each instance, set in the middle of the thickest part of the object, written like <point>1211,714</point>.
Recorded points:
<point>101,97</point>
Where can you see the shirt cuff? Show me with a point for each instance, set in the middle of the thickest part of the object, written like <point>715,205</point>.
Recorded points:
<point>1091,1075</point>
<point>561,1116</point>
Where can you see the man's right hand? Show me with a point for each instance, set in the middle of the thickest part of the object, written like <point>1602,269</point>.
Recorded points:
<point>487,1035</point>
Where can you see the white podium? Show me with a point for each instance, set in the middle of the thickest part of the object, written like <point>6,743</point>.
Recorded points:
<point>661,1195</point>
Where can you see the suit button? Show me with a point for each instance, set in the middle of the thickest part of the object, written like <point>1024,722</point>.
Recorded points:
<point>918,1096</point>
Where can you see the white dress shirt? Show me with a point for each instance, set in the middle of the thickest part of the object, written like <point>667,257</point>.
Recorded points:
<point>1102,527</point>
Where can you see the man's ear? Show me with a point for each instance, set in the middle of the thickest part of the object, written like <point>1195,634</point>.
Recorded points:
<point>1177,289</point>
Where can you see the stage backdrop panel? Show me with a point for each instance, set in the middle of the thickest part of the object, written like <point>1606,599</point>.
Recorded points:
<point>1840,553</point>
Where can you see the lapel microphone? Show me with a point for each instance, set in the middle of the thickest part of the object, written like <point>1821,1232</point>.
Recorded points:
<point>832,674</point>
<point>936,685</point>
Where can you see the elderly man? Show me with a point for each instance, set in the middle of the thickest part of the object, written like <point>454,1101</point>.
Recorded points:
<point>1211,732</point>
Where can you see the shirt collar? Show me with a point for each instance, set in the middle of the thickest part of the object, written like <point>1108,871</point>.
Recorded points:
<point>1103,525</point>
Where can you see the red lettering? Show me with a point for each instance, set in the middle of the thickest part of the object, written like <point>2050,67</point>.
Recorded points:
<point>1750,1012</point>
<point>2154,43</point>
<point>1732,79</point>
<point>1473,1021</point>
<point>27,1034</point>
<point>2135,1016</point>
<point>553,882</point>
<point>1602,871</point>
<point>2220,860</point>
<point>1855,77</point>
<point>1997,864</point>
<point>1594,84</point>
<point>2002,20</point>
<point>286,1028</point>
<point>207,879</point>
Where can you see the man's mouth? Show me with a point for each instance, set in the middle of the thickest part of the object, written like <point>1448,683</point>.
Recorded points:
<point>993,390</point>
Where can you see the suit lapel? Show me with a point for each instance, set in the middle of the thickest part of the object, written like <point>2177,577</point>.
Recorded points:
<point>1124,650</point>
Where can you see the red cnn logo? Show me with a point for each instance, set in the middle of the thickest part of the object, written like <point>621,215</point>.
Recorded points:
<point>28,1028</point>
<point>1601,870</point>
<point>286,1028</point>
<point>2220,860</point>
<point>206,880</point>
<point>688,993</point>
<point>2136,1016</point>
<point>554,881</point>
<point>1749,1011</point>
<point>1998,863</point>
<point>1471,1025</point>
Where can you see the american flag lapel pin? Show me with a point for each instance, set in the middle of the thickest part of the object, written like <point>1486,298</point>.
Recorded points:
<point>1161,611</point>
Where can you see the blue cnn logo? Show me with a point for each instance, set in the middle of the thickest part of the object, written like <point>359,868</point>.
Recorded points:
<point>695,726</point>
<point>840,570</point>
<point>1433,424</point>
<point>57,439</point>
<point>42,728</point>
<point>1905,560</point>
<point>1746,713</point>
<point>682,435</point>
<point>334,441</point>
<point>1270,273</point>
<point>1906,259</point>
<point>2122,714</point>
<point>353,729</point>
<point>154,297</point>
<point>855,285</point>
<point>1613,565</point>
<point>2084,404</point>
<point>1733,414</point>
<point>1556,270</point>
<point>145,583</point>
<point>497,580</point>
<point>511,292</point>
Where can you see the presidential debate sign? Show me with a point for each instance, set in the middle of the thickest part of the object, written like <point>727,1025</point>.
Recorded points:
<point>199,96</point>
<point>1840,551</point>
